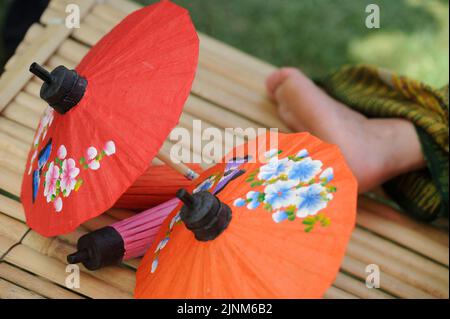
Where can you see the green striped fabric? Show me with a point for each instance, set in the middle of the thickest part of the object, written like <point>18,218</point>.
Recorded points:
<point>376,92</point>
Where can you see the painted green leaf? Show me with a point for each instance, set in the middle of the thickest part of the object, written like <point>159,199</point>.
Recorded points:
<point>261,197</point>
<point>258,183</point>
<point>78,184</point>
<point>325,222</point>
<point>290,209</point>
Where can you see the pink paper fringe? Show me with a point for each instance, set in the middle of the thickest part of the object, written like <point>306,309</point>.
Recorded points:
<point>139,232</point>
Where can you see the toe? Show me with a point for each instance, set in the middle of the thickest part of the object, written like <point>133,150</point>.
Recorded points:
<point>289,118</point>
<point>277,78</point>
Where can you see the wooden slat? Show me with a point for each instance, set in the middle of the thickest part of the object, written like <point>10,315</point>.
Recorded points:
<point>393,251</point>
<point>55,271</point>
<point>11,208</point>
<point>398,269</point>
<point>9,290</point>
<point>407,237</point>
<point>336,293</point>
<point>15,78</point>
<point>358,288</point>
<point>388,283</point>
<point>35,284</point>
<point>117,277</point>
<point>16,130</point>
<point>10,181</point>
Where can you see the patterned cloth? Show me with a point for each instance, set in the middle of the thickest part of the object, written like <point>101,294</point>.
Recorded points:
<point>379,93</point>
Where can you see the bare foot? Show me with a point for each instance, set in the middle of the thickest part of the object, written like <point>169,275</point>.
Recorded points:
<point>376,149</point>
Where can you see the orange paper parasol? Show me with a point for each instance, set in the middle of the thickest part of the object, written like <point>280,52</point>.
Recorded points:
<point>278,230</point>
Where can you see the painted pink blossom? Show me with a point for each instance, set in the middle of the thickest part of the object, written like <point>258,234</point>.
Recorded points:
<point>94,165</point>
<point>62,152</point>
<point>68,176</point>
<point>91,153</point>
<point>109,148</point>
<point>51,178</point>
<point>58,204</point>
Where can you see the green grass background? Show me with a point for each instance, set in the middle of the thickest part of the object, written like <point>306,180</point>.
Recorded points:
<point>320,35</point>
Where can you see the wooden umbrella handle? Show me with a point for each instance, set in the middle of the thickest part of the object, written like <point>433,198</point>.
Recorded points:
<point>180,167</point>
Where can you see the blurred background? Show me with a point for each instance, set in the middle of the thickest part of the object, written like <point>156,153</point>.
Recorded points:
<point>321,35</point>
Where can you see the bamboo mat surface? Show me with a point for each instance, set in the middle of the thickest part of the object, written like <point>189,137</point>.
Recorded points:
<point>228,91</point>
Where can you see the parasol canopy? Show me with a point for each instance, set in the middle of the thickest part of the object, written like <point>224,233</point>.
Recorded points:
<point>108,118</point>
<point>133,236</point>
<point>156,186</point>
<point>278,228</point>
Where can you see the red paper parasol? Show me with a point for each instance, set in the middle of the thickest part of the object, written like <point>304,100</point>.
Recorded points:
<point>278,230</point>
<point>156,186</point>
<point>109,118</point>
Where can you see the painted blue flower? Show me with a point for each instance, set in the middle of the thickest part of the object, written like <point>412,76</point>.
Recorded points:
<point>271,153</point>
<point>252,200</point>
<point>304,170</point>
<point>239,202</point>
<point>279,216</point>
<point>35,186</point>
<point>154,265</point>
<point>310,200</point>
<point>205,185</point>
<point>280,194</point>
<point>44,154</point>
<point>327,175</point>
<point>174,220</point>
<point>302,153</point>
<point>162,244</point>
<point>273,169</point>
